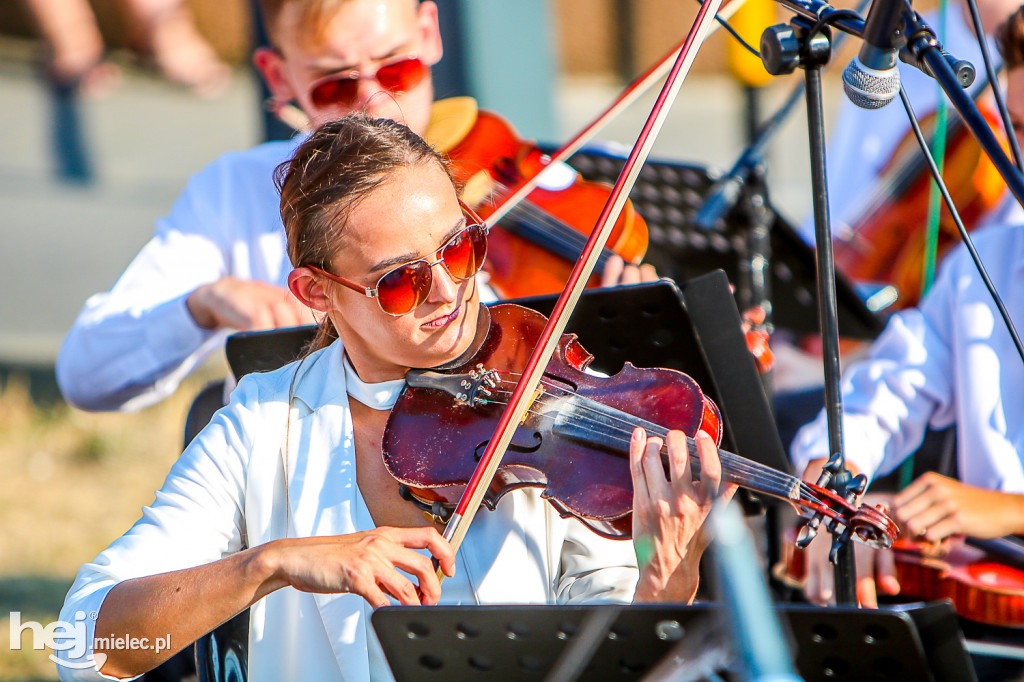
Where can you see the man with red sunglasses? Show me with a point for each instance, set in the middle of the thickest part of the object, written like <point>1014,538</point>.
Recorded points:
<point>217,262</point>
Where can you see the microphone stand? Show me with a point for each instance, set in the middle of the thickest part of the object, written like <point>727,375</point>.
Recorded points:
<point>925,47</point>
<point>806,43</point>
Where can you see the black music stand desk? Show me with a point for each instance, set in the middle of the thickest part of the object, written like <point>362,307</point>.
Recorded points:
<point>908,643</point>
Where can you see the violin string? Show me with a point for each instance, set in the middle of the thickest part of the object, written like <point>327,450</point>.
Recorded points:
<point>560,234</point>
<point>736,464</point>
<point>740,463</point>
<point>557,229</point>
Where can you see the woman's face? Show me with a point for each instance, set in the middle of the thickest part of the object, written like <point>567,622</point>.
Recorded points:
<point>408,217</point>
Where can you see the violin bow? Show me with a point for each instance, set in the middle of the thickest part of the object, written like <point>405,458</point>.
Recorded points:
<point>523,394</point>
<point>633,91</point>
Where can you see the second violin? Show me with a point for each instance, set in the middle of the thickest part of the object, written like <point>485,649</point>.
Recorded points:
<point>536,244</point>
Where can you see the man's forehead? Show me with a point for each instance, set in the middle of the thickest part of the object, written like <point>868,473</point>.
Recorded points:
<point>315,22</point>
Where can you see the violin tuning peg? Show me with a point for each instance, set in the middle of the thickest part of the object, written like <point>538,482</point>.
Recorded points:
<point>808,531</point>
<point>858,485</point>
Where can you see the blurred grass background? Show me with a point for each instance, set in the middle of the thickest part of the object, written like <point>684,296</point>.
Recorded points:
<point>71,483</point>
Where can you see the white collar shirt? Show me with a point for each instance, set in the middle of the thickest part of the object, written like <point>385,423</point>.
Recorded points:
<point>267,468</point>
<point>949,361</point>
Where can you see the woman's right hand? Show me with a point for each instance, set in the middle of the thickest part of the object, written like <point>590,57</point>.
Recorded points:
<point>365,564</point>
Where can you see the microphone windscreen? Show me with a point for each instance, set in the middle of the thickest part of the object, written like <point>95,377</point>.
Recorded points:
<point>870,88</point>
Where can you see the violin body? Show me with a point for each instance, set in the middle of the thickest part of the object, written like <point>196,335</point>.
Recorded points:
<point>887,242</point>
<point>981,588</point>
<point>574,441</point>
<point>432,444</point>
<point>534,247</point>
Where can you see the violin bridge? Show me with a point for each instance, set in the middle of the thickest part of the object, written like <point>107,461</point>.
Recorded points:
<point>537,393</point>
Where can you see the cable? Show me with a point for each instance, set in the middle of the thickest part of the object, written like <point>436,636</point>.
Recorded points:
<point>747,46</point>
<point>960,225</point>
<point>990,69</point>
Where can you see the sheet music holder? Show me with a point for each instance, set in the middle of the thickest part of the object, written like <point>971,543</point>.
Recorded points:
<point>907,643</point>
<point>694,328</point>
<point>669,194</point>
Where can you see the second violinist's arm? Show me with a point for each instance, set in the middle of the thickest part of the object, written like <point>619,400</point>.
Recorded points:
<point>934,507</point>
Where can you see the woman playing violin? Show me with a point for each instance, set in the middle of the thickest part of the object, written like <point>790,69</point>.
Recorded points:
<point>948,361</point>
<point>282,503</point>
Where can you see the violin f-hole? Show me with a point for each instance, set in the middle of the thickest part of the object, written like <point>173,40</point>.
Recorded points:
<point>538,439</point>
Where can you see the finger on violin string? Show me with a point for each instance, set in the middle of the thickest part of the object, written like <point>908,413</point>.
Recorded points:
<point>679,471</point>
<point>630,275</point>
<point>653,466</point>
<point>637,445</point>
<point>710,465</point>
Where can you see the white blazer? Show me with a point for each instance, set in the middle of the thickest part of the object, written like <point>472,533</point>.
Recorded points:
<point>229,490</point>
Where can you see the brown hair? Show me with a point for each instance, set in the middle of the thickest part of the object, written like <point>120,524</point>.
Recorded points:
<point>340,164</point>
<point>1010,38</point>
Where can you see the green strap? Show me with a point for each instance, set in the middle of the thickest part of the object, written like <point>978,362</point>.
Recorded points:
<point>938,149</point>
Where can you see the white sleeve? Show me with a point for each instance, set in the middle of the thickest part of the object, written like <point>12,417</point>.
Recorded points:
<point>130,347</point>
<point>196,518</point>
<point>594,568</point>
<point>891,397</point>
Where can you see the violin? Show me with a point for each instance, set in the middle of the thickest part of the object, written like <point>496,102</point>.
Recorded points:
<point>574,442</point>
<point>982,587</point>
<point>534,247</point>
<point>887,242</point>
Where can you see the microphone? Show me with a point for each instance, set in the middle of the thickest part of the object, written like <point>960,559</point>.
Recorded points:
<point>871,79</point>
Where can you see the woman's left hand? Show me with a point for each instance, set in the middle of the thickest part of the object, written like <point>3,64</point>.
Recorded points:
<point>669,513</point>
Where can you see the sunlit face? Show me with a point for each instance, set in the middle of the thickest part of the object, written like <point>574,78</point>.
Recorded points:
<point>360,36</point>
<point>408,217</point>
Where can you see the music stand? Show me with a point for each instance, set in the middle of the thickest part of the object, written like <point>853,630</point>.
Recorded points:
<point>669,194</point>
<point>905,644</point>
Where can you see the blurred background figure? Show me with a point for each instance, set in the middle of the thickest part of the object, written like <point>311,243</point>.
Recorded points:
<point>160,30</point>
